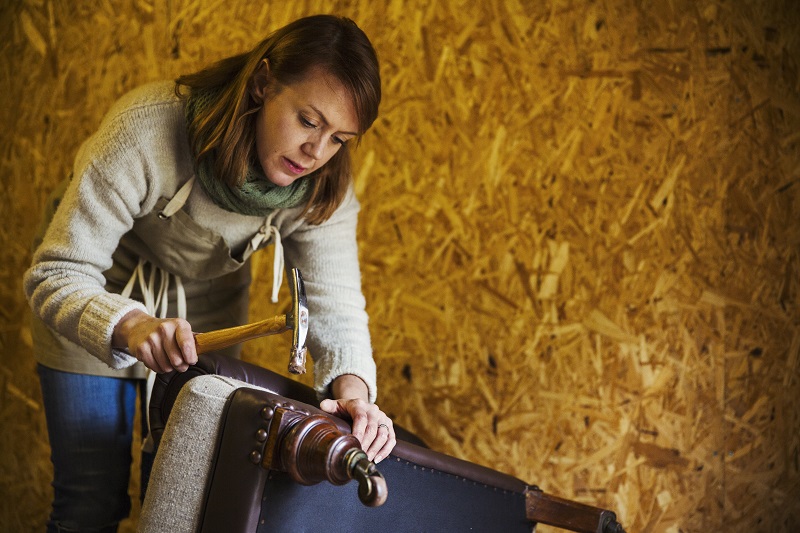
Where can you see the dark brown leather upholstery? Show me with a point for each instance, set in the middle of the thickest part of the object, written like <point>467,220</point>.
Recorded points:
<point>234,494</point>
<point>167,386</point>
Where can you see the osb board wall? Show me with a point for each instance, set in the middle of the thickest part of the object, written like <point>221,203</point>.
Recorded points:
<point>578,237</point>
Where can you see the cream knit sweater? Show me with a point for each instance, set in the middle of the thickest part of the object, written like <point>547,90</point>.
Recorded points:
<point>140,154</point>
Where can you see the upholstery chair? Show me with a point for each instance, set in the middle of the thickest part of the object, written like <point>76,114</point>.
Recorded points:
<point>243,450</point>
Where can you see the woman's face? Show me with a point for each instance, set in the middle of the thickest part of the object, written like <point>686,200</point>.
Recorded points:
<point>302,125</point>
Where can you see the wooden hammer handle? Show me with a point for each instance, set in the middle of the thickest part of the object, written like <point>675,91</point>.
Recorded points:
<point>222,338</point>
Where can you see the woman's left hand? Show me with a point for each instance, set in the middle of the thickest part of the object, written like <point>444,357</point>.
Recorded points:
<point>371,426</point>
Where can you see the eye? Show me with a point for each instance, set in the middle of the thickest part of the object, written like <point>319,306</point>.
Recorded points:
<point>339,141</point>
<point>307,123</point>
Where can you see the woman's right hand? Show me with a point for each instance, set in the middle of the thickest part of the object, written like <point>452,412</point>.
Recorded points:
<point>162,344</point>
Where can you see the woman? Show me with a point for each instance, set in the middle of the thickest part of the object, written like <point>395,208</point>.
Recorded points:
<point>151,240</point>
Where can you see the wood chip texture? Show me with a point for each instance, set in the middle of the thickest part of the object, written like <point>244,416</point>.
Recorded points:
<point>579,237</point>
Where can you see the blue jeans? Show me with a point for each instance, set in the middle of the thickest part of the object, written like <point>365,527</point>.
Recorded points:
<point>90,424</point>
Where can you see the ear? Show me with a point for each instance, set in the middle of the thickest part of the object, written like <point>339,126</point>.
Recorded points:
<point>260,82</point>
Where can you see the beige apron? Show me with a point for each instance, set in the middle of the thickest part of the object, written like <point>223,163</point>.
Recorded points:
<point>176,268</point>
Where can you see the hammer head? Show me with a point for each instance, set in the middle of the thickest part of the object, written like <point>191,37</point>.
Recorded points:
<point>297,319</point>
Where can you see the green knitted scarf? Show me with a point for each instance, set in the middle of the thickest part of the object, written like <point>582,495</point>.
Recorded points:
<point>257,196</point>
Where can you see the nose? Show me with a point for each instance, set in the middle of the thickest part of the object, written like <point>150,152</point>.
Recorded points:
<point>313,147</point>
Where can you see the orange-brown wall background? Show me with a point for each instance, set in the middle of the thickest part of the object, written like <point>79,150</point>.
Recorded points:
<point>579,233</point>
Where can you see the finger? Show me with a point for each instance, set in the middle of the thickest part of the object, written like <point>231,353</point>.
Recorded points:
<point>333,407</point>
<point>370,434</point>
<point>152,350</point>
<point>146,356</point>
<point>328,405</point>
<point>143,356</point>
<point>184,337</point>
<point>163,350</point>
<point>385,436</point>
<point>360,422</point>
<point>175,356</point>
<point>145,352</point>
<point>162,363</point>
<point>388,446</point>
<point>376,446</point>
<point>172,357</point>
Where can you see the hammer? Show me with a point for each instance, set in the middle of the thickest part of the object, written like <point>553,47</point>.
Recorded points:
<point>296,320</point>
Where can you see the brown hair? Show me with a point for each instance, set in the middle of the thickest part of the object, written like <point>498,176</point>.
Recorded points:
<point>227,127</point>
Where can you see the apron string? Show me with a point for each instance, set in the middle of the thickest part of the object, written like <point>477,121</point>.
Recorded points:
<point>277,262</point>
<point>153,301</point>
<point>264,232</point>
<point>177,201</point>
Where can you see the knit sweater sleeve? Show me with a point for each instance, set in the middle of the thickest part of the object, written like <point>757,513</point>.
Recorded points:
<point>338,333</point>
<point>65,283</point>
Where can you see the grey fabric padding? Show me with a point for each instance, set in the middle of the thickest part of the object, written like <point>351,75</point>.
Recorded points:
<point>175,493</point>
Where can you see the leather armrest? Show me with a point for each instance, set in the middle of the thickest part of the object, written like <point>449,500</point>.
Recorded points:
<point>167,386</point>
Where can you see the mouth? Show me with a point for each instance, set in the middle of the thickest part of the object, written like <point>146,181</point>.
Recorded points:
<point>293,167</point>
